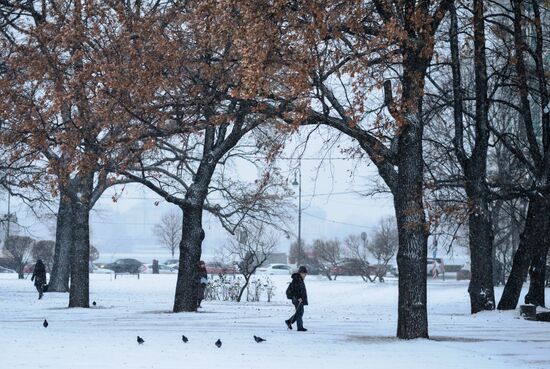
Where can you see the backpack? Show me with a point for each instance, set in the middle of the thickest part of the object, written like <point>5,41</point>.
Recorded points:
<point>290,291</point>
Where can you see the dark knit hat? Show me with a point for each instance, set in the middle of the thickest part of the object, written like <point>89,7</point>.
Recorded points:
<point>302,269</point>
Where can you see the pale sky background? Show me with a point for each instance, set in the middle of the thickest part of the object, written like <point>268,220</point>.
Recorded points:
<point>332,206</point>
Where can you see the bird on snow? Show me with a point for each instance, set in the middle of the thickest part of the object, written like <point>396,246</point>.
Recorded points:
<point>45,324</point>
<point>140,340</point>
<point>258,339</point>
<point>94,303</point>
<point>184,339</point>
<point>218,343</point>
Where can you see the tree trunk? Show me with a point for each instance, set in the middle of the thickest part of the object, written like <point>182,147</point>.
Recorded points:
<point>481,290</point>
<point>79,295</point>
<point>537,270</point>
<point>411,222</point>
<point>532,235</point>
<point>59,279</point>
<point>190,254</point>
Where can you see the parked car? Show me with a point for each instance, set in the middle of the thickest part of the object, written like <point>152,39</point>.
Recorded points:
<point>172,262</point>
<point>348,267</point>
<point>163,269</point>
<point>97,270</point>
<point>6,270</point>
<point>275,269</point>
<point>358,267</point>
<point>125,266</point>
<point>219,268</point>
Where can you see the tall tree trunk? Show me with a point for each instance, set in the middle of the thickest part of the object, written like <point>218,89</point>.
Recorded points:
<point>537,270</point>
<point>190,254</point>
<point>481,288</point>
<point>59,279</point>
<point>79,295</point>
<point>409,208</point>
<point>532,235</point>
<point>413,240</point>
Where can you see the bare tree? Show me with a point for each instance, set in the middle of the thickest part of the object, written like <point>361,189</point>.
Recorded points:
<point>326,255</point>
<point>357,249</point>
<point>19,248</point>
<point>44,249</point>
<point>168,231</point>
<point>297,252</point>
<point>252,249</point>
<point>94,253</point>
<point>384,245</point>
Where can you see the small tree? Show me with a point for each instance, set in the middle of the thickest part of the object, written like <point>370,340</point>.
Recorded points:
<point>358,248</point>
<point>44,249</point>
<point>251,251</point>
<point>19,248</point>
<point>94,253</point>
<point>297,253</point>
<point>168,231</point>
<point>326,254</point>
<point>384,246</point>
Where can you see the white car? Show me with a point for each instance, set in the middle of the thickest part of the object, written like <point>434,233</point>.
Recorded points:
<point>163,269</point>
<point>276,269</point>
<point>95,269</point>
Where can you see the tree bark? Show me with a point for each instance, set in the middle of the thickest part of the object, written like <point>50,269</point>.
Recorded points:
<point>59,279</point>
<point>537,270</point>
<point>409,208</point>
<point>532,235</point>
<point>190,254</point>
<point>79,295</point>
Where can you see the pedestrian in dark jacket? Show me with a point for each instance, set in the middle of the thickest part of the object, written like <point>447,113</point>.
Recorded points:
<point>39,277</point>
<point>202,282</point>
<point>298,293</point>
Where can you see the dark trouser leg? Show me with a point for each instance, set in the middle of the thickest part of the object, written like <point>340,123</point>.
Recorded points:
<point>39,288</point>
<point>299,314</point>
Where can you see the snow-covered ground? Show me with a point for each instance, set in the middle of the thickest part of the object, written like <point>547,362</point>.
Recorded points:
<point>351,325</point>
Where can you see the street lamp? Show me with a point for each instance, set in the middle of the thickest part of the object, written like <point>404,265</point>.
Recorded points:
<point>299,184</point>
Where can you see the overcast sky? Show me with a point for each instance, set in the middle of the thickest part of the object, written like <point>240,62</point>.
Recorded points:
<point>332,206</point>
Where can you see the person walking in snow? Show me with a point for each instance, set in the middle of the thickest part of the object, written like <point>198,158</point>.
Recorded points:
<point>297,292</point>
<point>203,281</point>
<point>39,277</point>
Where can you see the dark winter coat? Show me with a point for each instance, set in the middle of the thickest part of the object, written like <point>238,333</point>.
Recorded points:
<point>203,275</point>
<point>298,288</point>
<point>39,273</point>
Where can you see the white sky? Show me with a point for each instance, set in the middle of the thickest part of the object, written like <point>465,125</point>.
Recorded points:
<point>330,208</point>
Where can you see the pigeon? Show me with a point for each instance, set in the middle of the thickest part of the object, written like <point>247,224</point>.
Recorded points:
<point>94,303</point>
<point>45,324</point>
<point>140,340</point>
<point>258,339</point>
<point>184,339</point>
<point>218,343</point>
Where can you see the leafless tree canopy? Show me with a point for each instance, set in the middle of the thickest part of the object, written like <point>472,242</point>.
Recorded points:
<point>252,248</point>
<point>20,249</point>
<point>168,231</point>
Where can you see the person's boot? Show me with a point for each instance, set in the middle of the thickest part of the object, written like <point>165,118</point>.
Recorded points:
<point>302,329</point>
<point>40,295</point>
<point>288,324</point>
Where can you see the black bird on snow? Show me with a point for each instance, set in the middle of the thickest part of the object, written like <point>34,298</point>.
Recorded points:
<point>140,340</point>
<point>258,339</point>
<point>45,324</point>
<point>218,343</point>
<point>94,303</point>
<point>184,339</point>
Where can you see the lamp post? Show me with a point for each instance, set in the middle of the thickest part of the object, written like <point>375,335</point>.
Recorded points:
<point>299,184</point>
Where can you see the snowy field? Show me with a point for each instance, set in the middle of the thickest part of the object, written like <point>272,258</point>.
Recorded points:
<point>351,325</point>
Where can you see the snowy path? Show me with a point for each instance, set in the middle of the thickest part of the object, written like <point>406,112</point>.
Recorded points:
<point>352,325</point>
